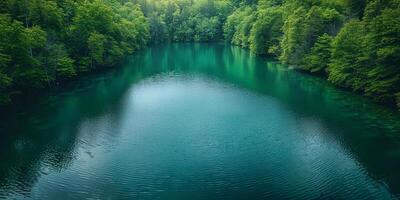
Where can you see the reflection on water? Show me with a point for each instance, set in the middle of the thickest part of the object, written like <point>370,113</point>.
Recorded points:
<point>199,121</point>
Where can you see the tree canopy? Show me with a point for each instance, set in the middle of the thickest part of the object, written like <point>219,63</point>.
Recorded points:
<point>353,43</point>
<point>43,42</point>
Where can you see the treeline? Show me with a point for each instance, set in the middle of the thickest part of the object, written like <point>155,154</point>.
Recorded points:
<point>186,20</point>
<point>354,43</point>
<point>43,42</point>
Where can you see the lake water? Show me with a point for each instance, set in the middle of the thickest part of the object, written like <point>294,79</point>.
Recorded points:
<point>199,121</point>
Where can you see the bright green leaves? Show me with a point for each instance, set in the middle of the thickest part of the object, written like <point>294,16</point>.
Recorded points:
<point>10,38</point>
<point>285,29</point>
<point>35,37</point>
<point>65,68</point>
<point>186,20</point>
<point>345,68</point>
<point>207,29</point>
<point>106,32</point>
<point>96,42</point>
<point>302,29</point>
<point>21,55</point>
<point>366,54</point>
<point>238,26</point>
<point>355,43</point>
<point>234,21</point>
<point>133,27</point>
<point>293,41</point>
<point>33,72</point>
<point>44,41</point>
<point>92,16</point>
<point>266,32</point>
<point>383,53</point>
<point>318,58</point>
<point>45,13</point>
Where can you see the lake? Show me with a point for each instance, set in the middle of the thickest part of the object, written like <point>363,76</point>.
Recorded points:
<point>199,121</point>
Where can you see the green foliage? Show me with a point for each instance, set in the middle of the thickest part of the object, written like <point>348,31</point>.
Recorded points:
<point>65,68</point>
<point>46,14</point>
<point>243,23</point>
<point>10,51</point>
<point>345,68</point>
<point>231,26</point>
<point>302,29</point>
<point>266,32</point>
<point>293,41</point>
<point>33,73</point>
<point>186,20</point>
<point>206,29</point>
<point>96,42</point>
<point>158,29</point>
<point>43,41</point>
<point>366,55</point>
<point>318,58</point>
<point>355,43</point>
<point>382,52</point>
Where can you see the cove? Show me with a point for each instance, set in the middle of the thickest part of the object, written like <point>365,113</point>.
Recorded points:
<point>199,121</point>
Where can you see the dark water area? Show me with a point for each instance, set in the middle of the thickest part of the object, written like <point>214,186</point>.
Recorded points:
<point>199,121</point>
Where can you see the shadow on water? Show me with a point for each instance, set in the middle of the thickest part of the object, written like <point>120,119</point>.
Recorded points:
<point>41,135</point>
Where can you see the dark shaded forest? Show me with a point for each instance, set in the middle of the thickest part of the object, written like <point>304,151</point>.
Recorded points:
<point>355,44</point>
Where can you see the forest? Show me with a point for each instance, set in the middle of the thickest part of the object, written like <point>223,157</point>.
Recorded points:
<point>354,44</point>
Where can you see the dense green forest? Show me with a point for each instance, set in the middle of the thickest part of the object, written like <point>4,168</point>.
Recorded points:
<point>43,42</point>
<point>355,44</point>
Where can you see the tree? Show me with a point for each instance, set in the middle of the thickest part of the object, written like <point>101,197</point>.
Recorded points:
<point>319,57</point>
<point>96,42</point>
<point>33,73</point>
<point>266,31</point>
<point>245,18</point>
<point>355,43</point>
<point>347,67</point>
<point>292,44</point>
<point>42,41</point>
<point>382,52</point>
<point>158,29</point>
<point>45,13</point>
<point>65,68</point>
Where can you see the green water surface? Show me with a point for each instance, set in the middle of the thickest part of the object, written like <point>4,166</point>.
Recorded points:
<point>199,121</point>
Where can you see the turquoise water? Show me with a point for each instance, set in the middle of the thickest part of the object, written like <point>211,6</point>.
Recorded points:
<point>199,121</point>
